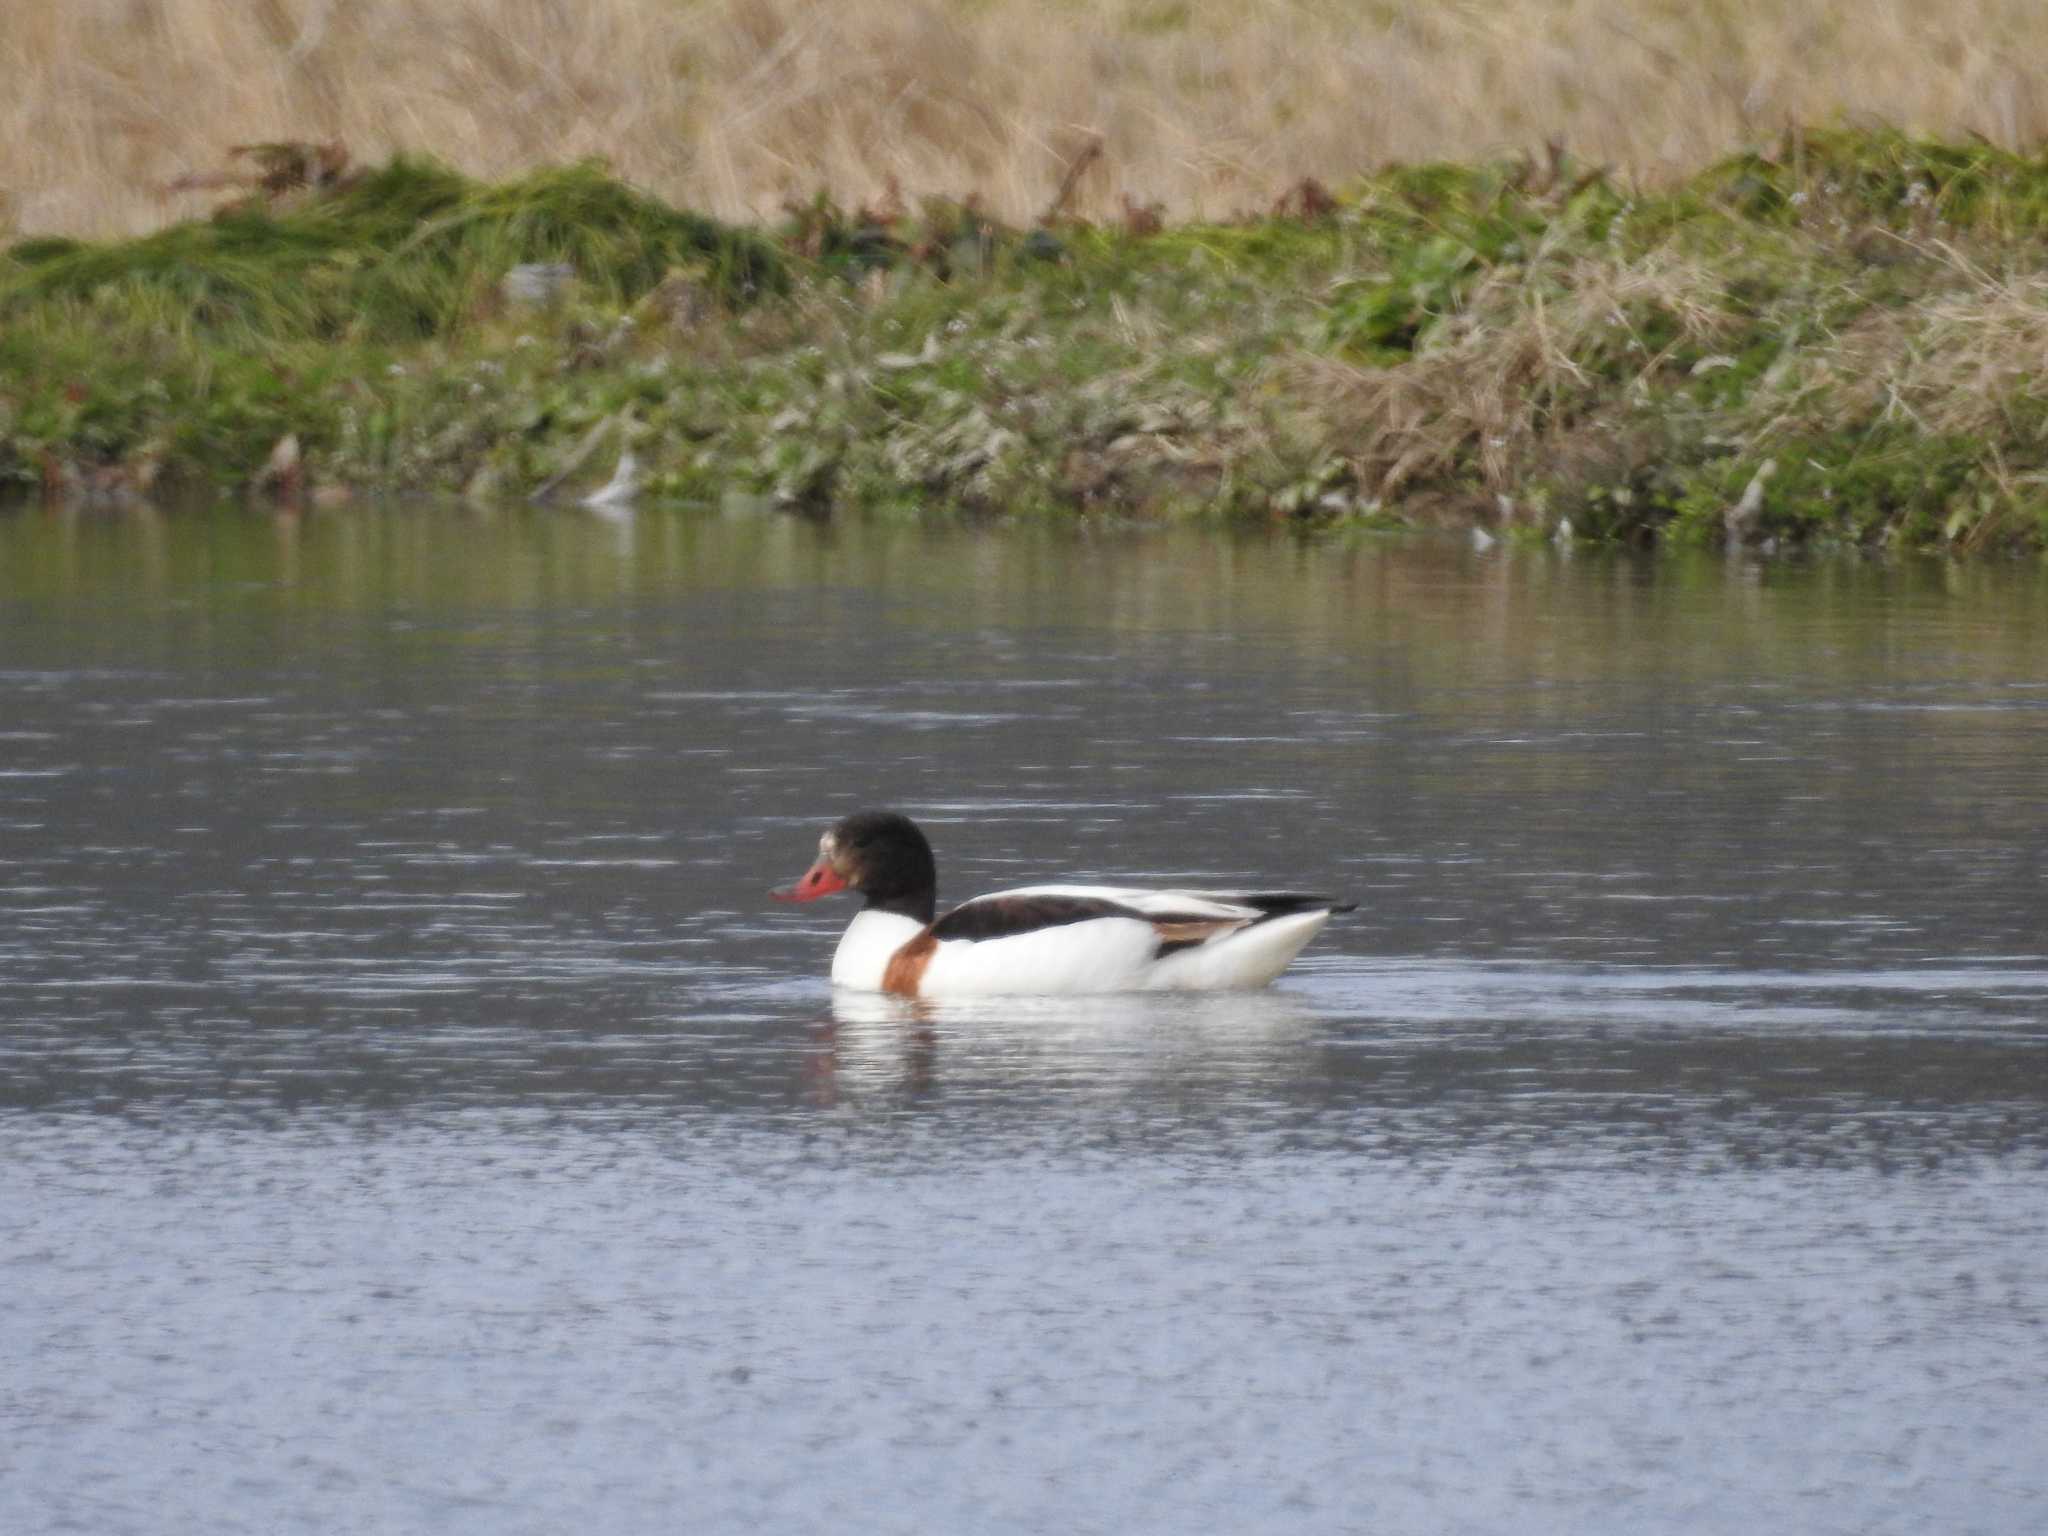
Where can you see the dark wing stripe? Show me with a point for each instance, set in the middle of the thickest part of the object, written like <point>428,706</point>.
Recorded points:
<point>1004,917</point>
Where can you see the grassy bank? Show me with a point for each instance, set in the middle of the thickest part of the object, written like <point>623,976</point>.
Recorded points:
<point>1841,340</point>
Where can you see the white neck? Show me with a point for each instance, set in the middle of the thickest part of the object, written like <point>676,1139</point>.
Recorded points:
<point>864,949</point>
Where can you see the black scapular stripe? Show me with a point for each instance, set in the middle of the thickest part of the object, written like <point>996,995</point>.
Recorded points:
<point>1005,917</point>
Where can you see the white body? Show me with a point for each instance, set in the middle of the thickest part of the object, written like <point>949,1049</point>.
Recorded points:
<point>1099,954</point>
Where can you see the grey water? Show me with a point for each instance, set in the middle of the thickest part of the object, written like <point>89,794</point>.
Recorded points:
<point>414,1117</point>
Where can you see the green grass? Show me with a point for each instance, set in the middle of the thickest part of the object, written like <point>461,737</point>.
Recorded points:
<point>405,253</point>
<point>1522,343</point>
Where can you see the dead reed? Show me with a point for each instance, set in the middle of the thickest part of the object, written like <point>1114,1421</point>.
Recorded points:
<point>1203,107</point>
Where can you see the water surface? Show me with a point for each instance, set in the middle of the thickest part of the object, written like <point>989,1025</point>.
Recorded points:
<point>416,1118</point>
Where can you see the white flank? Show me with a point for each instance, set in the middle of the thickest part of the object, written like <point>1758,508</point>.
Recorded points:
<point>1251,957</point>
<point>1101,954</point>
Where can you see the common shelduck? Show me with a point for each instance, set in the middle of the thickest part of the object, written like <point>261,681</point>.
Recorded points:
<point>1041,938</point>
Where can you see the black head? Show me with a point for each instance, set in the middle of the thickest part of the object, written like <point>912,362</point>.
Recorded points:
<point>882,855</point>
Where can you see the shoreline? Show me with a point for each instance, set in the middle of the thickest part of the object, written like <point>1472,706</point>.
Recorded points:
<point>1835,342</point>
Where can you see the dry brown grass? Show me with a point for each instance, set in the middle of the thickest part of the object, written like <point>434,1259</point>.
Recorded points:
<point>1206,106</point>
<point>1957,364</point>
<point>1506,384</point>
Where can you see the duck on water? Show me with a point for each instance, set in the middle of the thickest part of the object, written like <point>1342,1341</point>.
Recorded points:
<point>1041,938</point>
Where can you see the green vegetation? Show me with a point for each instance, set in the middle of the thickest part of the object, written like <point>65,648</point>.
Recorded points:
<point>1842,340</point>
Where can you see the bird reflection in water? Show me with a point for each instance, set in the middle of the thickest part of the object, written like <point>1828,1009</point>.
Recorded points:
<point>873,1046</point>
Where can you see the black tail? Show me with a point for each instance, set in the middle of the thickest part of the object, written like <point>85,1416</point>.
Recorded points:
<point>1287,903</point>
